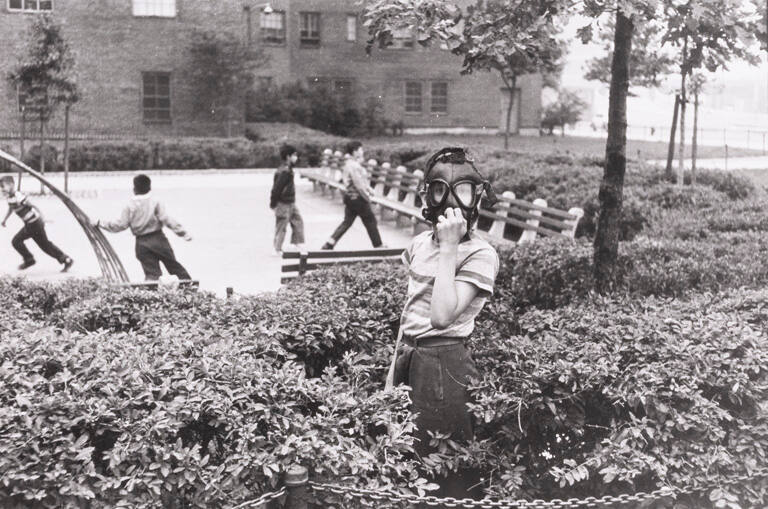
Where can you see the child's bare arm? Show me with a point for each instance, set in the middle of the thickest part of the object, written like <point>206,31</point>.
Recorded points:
<point>449,297</point>
<point>7,215</point>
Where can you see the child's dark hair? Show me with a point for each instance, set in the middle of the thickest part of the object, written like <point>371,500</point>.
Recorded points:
<point>286,151</point>
<point>7,179</point>
<point>351,146</point>
<point>142,184</point>
<point>449,155</point>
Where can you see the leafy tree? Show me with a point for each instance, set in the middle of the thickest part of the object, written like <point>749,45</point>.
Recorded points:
<point>44,76</point>
<point>222,70</point>
<point>649,63</point>
<point>491,35</point>
<point>567,110</point>
<point>708,34</point>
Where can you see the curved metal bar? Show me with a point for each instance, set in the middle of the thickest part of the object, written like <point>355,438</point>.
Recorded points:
<point>111,267</point>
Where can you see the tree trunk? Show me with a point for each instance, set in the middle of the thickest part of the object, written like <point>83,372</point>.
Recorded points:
<point>606,246</point>
<point>66,149</point>
<point>683,101</point>
<point>42,151</point>
<point>21,148</point>
<point>511,86</point>
<point>672,132</point>
<point>694,141</point>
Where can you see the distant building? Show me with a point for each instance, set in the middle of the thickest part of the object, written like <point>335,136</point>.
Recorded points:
<point>132,57</point>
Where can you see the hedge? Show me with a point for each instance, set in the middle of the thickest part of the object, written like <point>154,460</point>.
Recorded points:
<point>660,382</point>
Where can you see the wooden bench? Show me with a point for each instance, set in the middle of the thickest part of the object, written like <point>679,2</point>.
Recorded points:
<point>295,263</point>
<point>395,195</point>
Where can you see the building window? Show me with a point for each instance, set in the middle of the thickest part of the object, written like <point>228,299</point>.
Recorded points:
<point>351,27</point>
<point>439,97</point>
<point>273,27</point>
<point>156,100</point>
<point>158,8</point>
<point>30,5</point>
<point>309,29</point>
<point>402,38</point>
<point>413,97</point>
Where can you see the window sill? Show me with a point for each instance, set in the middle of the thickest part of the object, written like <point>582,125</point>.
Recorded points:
<point>273,43</point>
<point>154,16</point>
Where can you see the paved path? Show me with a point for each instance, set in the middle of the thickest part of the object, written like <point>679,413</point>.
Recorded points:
<point>227,214</point>
<point>733,163</point>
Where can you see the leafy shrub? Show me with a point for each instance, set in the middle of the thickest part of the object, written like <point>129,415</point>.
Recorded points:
<point>112,156</point>
<point>618,395</point>
<point>316,107</point>
<point>51,156</point>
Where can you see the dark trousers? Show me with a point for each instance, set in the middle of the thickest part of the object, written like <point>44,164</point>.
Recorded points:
<point>354,207</point>
<point>153,248</point>
<point>439,376</point>
<point>36,231</point>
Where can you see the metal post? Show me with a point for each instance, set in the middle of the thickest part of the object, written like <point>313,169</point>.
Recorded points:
<point>230,291</point>
<point>726,157</point>
<point>297,488</point>
<point>763,143</point>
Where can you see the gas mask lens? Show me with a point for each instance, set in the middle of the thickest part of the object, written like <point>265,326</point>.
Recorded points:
<point>464,192</point>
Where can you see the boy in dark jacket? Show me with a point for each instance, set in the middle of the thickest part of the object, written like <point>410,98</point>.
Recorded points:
<point>282,200</point>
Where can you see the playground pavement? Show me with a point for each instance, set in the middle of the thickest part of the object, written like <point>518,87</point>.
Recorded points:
<point>227,214</point>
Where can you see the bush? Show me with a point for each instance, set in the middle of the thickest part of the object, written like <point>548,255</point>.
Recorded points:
<point>602,395</point>
<point>112,156</point>
<point>52,163</point>
<point>316,107</point>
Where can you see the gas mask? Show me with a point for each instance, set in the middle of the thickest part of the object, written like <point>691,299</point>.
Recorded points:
<point>466,190</point>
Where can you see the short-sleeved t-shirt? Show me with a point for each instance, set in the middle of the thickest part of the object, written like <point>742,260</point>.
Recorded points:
<point>477,263</point>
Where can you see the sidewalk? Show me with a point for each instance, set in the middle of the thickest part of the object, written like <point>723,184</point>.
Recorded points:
<point>732,163</point>
<point>227,215</point>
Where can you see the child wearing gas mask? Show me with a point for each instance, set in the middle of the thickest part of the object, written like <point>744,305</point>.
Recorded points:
<point>451,275</point>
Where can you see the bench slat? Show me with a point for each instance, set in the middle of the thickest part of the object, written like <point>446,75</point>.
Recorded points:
<point>527,215</point>
<point>343,254</point>
<point>530,206</point>
<point>295,267</point>
<point>526,226</point>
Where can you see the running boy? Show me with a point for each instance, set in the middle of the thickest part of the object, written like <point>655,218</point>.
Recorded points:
<point>451,275</point>
<point>282,200</point>
<point>357,198</point>
<point>34,227</point>
<point>146,216</point>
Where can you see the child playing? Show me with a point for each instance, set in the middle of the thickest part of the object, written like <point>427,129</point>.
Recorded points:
<point>146,216</point>
<point>357,198</point>
<point>282,200</point>
<point>34,227</point>
<point>451,275</point>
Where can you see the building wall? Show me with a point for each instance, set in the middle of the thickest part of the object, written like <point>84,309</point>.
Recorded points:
<point>112,48</point>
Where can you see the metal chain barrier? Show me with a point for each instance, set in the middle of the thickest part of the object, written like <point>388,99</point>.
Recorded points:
<point>607,500</point>
<point>266,497</point>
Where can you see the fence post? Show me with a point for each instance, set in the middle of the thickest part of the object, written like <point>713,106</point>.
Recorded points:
<point>297,488</point>
<point>230,291</point>
<point>763,143</point>
<point>726,157</point>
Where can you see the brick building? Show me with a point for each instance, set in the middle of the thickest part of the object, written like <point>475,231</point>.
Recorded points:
<point>133,57</point>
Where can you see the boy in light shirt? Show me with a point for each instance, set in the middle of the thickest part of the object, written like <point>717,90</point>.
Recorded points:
<point>145,215</point>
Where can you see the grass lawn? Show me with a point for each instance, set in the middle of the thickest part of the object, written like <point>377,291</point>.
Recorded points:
<point>549,144</point>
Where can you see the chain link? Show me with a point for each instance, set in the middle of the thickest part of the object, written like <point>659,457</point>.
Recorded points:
<point>606,500</point>
<point>266,497</point>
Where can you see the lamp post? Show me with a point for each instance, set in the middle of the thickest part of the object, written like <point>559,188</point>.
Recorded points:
<point>266,9</point>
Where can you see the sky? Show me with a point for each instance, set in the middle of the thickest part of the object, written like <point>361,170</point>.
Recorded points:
<point>736,99</point>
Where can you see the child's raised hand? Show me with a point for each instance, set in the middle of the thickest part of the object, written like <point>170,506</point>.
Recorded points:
<point>451,227</point>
